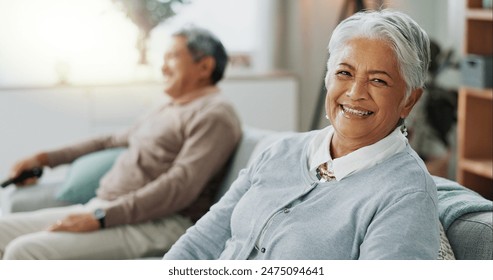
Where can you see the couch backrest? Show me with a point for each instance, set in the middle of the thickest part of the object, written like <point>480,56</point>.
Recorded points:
<point>252,143</point>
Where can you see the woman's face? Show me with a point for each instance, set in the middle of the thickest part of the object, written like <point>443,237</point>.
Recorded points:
<point>365,91</point>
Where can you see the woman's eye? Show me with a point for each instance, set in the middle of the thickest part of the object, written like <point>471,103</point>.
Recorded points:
<point>343,74</point>
<point>379,82</point>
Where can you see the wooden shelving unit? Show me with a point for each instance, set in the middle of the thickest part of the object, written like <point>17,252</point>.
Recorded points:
<point>475,115</point>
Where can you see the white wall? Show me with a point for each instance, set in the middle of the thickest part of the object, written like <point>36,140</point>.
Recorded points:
<point>307,28</point>
<point>36,119</point>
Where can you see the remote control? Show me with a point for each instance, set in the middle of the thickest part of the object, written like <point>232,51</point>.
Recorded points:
<point>26,174</point>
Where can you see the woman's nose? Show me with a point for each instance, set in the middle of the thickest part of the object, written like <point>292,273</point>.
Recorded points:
<point>358,90</point>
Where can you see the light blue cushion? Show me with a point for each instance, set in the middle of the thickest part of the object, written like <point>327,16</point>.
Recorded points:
<point>85,172</point>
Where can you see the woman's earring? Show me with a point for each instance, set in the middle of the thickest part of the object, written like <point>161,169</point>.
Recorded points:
<point>404,128</point>
<point>327,117</point>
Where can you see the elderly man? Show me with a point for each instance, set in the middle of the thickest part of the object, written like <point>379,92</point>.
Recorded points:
<point>158,186</point>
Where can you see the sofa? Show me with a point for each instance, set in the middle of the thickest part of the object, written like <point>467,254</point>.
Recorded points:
<point>467,218</point>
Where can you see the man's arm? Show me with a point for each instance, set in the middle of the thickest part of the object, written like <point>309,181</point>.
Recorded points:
<point>209,143</point>
<point>69,153</point>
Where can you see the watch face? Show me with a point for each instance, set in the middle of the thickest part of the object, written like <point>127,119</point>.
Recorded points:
<point>99,213</point>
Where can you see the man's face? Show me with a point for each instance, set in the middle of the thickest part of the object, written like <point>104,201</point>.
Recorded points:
<point>181,73</point>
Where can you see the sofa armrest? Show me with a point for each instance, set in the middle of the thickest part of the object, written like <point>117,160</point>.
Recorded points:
<point>471,236</point>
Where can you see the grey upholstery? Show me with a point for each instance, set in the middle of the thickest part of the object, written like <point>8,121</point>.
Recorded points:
<point>470,235</point>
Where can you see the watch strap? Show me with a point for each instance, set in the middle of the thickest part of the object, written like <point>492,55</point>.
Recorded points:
<point>100,215</point>
<point>101,222</point>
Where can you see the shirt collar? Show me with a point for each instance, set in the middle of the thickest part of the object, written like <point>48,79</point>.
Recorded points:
<point>358,160</point>
<point>195,94</point>
<point>319,148</point>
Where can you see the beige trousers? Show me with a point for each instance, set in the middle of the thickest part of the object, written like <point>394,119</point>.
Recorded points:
<point>23,236</point>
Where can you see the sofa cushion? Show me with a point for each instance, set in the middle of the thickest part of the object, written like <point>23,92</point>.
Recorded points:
<point>85,172</point>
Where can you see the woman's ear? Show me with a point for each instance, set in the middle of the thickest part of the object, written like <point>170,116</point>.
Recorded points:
<point>412,99</point>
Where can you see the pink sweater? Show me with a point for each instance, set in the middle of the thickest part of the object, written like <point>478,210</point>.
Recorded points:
<point>172,157</point>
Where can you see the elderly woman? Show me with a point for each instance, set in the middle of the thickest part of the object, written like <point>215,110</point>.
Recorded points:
<point>354,190</point>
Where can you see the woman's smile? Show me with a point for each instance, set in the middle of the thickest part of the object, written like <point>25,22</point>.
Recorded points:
<point>351,112</point>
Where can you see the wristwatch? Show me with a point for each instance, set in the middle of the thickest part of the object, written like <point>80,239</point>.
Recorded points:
<point>100,214</point>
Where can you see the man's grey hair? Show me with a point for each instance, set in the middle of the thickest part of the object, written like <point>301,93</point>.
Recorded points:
<point>202,43</point>
<point>408,40</point>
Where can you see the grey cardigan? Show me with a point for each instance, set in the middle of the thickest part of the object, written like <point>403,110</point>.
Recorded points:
<point>276,209</point>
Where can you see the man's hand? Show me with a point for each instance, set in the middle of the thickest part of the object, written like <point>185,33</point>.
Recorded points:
<point>38,160</point>
<point>76,223</point>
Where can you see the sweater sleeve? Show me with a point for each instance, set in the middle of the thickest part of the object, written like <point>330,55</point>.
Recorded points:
<point>404,230</point>
<point>69,153</point>
<point>210,140</point>
<point>208,237</point>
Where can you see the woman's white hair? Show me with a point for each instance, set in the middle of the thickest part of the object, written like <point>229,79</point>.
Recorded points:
<point>408,40</point>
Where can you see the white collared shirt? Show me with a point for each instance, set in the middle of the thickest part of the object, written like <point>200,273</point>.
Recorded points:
<point>360,159</point>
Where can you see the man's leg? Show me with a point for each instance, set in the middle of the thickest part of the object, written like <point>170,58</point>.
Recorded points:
<point>122,242</point>
<point>15,225</point>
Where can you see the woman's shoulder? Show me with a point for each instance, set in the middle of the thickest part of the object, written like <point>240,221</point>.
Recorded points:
<point>290,141</point>
<point>404,172</point>
<point>286,145</point>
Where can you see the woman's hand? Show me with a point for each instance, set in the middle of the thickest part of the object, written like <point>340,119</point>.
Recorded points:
<point>76,223</point>
<point>38,160</point>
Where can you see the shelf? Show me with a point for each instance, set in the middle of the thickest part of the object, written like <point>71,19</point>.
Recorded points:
<point>475,110</point>
<point>481,167</point>
<point>479,38</point>
<point>478,4</point>
<point>475,123</point>
<point>480,14</point>
<point>486,93</point>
